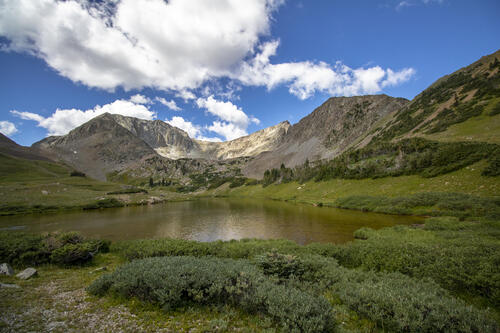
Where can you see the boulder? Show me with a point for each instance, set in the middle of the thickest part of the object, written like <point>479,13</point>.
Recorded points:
<point>5,269</point>
<point>27,273</point>
<point>6,285</point>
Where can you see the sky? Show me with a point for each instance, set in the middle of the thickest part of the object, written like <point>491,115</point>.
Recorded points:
<point>221,69</point>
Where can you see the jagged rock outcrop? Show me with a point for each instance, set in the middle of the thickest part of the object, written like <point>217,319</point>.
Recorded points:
<point>267,139</point>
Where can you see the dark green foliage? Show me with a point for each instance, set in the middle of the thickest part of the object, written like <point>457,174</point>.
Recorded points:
<point>405,157</point>
<point>495,110</point>
<point>72,254</point>
<point>493,169</point>
<point>456,86</point>
<point>171,282</point>
<point>69,248</point>
<point>237,182</point>
<point>104,203</point>
<point>246,248</point>
<point>75,173</point>
<point>455,115</point>
<point>131,190</point>
<point>394,301</point>
<point>435,203</point>
<point>462,257</point>
<point>363,233</point>
<point>400,304</point>
<point>270,176</point>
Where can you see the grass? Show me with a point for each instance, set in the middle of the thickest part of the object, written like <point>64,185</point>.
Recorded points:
<point>467,180</point>
<point>37,187</point>
<point>483,128</point>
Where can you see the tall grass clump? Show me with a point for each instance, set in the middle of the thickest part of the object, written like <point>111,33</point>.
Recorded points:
<point>172,282</point>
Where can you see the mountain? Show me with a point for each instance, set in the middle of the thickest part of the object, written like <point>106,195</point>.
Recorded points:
<point>462,106</point>
<point>114,143</point>
<point>97,147</point>
<point>458,107</point>
<point>327,131</point>
<point>9,147</point>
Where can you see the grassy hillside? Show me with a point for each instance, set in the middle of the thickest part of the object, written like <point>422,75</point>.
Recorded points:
<point>30,186</point>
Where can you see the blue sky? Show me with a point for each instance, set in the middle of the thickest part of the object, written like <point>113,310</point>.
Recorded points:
<point>220,69</point>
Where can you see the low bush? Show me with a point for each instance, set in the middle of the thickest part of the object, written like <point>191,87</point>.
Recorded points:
<point>364,233</point>
<point>171,282</point>
<point>104,203</point>
<point>129,191</point>
<point>394,301</point>
<point>64,249</point>
<point>463,257</point>
<point>77,174</point>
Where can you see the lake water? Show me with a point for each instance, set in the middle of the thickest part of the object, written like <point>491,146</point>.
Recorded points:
<point>212,219</point>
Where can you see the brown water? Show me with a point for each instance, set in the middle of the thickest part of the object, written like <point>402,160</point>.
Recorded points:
<point>212,219</point>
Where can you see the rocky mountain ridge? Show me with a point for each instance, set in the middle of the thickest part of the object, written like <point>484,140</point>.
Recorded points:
<point>119,144</point>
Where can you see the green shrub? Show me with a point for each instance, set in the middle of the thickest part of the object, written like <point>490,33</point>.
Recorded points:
<point>394,301</point>
<point>462,257</point>
<point>104,203</point>
<point>237,182</point>
<point>400,304</point>
<point>69,248</point>
<point>129,191</point>
<point>171,282</point>
<point>364,233</point>
<point>72,254</point>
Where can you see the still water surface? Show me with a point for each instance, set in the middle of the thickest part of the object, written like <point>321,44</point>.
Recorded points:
<point>212,219</point>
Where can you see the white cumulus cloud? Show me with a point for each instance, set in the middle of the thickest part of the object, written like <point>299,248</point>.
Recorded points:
<point>169,104</point>
<point>176,46</point>
<point>305,78</point>
<point>64,120</point>
<point>7,128</point>
<point>140,99</point>
<point>228,130</point>
<point>194,131</point>
<point>234,121</point>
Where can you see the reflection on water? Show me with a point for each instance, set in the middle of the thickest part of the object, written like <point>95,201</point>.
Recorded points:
<point>213,219</point>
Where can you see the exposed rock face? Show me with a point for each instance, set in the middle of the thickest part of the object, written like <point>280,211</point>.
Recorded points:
<point>267,139</point>
<point>5,269</point>
<point>166,140</point>
<point>328,131</point>
<point>27,273</point>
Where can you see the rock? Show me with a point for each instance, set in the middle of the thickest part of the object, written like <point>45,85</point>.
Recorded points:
<point>27,273</point>
<point>5,269</point>
<point>45,192</point>
<point>100,269</point>
<point>6,285</point>
<point>154,200</point>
